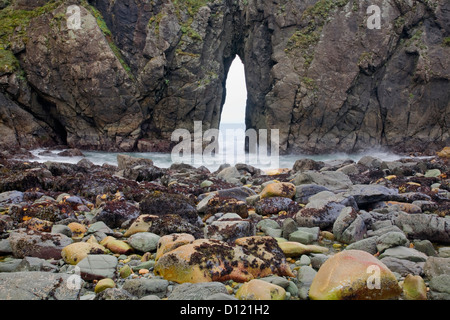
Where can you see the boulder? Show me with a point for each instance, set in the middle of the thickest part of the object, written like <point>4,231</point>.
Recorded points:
<point>331,180</point>
<point>229,228</point>
<point>116,246</point>
<point>37,244</point>
<point>274,205</point>
<point>436,266</point>
<point>217,203</point>
<point>305,191</point>
<point>197,291</point>
<point>305,278</point>
<point>369,245</point>
<point>97,267</point>
<point>212,260</point>
<point>424,226</point>
<point>349,227</point>
<point>281,189</point>
<point>104,284</point>
<point>354,275</point>
<point>372,193</point>
<point>402,266</point>
<point>115,213</point>
<point>77,230</point>
<point>75,252</point>
<point>440,287</point>
<point>161,203</point>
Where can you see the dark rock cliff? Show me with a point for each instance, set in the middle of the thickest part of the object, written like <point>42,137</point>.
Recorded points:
<point>137,70</point>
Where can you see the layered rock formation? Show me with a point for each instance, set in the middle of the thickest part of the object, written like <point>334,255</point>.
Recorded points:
<point>137,70</point>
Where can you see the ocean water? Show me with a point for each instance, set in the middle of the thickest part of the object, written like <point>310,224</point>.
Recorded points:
<point>229,150</point>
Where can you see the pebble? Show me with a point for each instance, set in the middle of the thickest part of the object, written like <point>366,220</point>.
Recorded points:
<point>104,284</point>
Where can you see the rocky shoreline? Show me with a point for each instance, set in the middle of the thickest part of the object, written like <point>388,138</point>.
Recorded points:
<point>136,231</point>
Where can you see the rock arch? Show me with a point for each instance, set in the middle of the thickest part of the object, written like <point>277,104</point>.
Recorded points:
<point>314,71</point>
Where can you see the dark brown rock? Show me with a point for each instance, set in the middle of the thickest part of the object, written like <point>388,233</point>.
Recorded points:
<point>313,70</point>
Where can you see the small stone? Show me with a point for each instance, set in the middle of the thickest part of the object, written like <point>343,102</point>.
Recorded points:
<point>63,229</point>
<point>369,245</point>
<point>143,271</point>
<point>37,225</point>
<point>440,287</point>
<point>271,232</point>
<point>125,271</point>
<point>281,189</point>
<point>38,244</point>
<point>206,184</point>
<point>305,260</point>
<point>145,265</point>
<point>260,290</point>
<point>104,284</point>
<point>390,240</point>
<point>230,175</point>
<point>327,235</point>
<point>436,266</point>
<point>289,226</point>
<point>444,252</point>
<point>301,237</point>
<point>414,288</point>
<point>99,226</point>
<point>279,281</point>
<point>444,153</point>
<point>118,246</point>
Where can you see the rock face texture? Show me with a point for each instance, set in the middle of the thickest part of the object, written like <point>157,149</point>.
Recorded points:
<point>137,70</point>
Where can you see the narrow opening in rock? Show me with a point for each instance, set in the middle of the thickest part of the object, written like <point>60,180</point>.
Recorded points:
<point>232,123</point>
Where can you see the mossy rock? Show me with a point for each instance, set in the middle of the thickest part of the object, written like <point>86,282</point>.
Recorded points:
<point>75,252</point>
